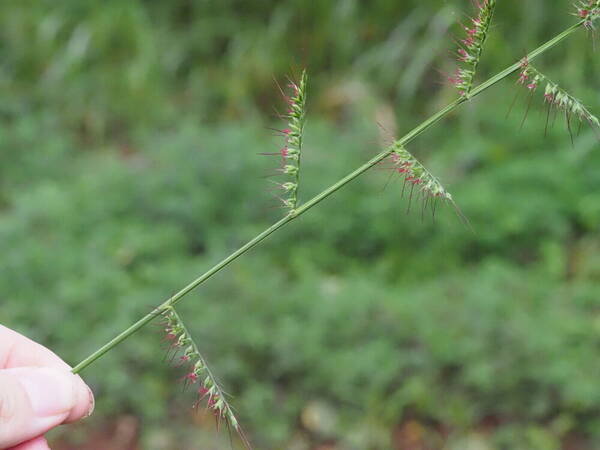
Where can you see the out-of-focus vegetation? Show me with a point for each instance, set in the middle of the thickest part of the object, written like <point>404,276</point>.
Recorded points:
<point>129,135</point>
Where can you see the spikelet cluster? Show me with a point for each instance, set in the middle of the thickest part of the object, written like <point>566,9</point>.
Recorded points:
<point>554,95</point>
<point>292,149</point>
<point>198,374</point>
<point>588,11</point>
<point>471,46</point>
<point>415,174</point>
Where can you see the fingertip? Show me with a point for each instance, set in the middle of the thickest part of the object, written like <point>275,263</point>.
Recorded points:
<point>34,400</point>
<point>84,401</point>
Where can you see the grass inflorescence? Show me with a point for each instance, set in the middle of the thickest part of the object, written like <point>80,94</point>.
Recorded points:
<point>416,174</point>
<point>419,182</point>
<point>471,46</point>
<point>417,179</point>
<point>198,374</point>
<point>556,97</point>
<point>292,149</point>
<point>588,11</point>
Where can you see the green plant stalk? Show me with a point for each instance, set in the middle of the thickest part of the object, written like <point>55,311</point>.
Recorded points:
<point>318,198</point>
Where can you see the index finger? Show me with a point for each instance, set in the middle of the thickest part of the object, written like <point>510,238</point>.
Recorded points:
<point>18,351</point>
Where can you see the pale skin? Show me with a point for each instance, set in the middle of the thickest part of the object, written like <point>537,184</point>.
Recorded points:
<point>38,392</point>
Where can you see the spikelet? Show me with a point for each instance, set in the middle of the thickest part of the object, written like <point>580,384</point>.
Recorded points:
<point>588,11</point>
<point>555,96</point>
<point>471,46</point>
<point>199,375</point>
<point>292,149</point>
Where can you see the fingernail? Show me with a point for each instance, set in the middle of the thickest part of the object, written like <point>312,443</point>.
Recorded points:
<point>51,391</point>
<point>92,403</point>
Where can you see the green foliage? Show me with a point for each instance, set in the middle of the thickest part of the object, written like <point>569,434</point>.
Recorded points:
<point>113,194</point>
<point>101,237</point>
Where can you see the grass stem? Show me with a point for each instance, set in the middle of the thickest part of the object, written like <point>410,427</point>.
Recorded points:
<point>319,198</point>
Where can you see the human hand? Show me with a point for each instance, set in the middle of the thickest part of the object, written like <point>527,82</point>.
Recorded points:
<point>37,393</point>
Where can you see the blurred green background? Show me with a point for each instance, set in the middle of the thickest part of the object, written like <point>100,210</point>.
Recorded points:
<point>129,135</point>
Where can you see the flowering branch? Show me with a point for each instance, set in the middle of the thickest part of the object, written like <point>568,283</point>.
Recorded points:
<point>588,11</point>
<point>555,96</point>
<point>199,372</point>
<point>415,173</point>
<point>292,149</point>
<point>416,176</point>
<point>471,46</point>
<point>411,135</point>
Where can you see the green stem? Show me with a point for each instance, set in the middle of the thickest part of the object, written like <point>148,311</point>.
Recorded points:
<point>178,296</point>
<point>317,199</point>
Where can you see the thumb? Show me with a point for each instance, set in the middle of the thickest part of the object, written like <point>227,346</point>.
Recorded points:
<point>34,400</point>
